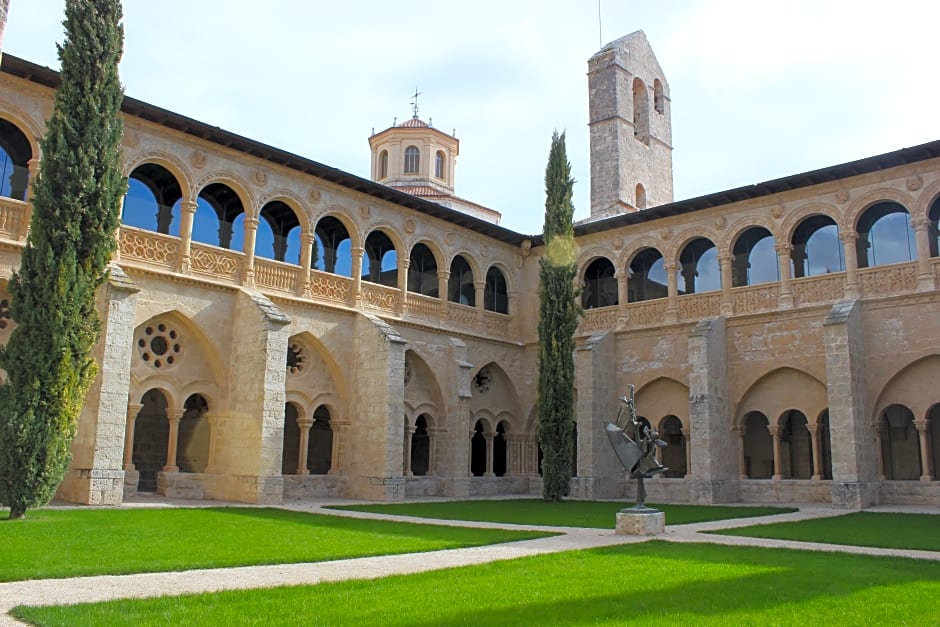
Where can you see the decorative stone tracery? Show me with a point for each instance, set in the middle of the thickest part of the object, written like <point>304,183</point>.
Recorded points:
<point>159,345</point>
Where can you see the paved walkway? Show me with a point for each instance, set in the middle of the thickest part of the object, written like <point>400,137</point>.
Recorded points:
<point>107,587</point>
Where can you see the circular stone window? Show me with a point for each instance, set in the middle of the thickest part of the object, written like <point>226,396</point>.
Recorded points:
<point>295,358</point>
<point>159,345</point>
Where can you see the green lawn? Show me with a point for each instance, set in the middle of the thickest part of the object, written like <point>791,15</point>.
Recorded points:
<point>651,583</point>
<point>71,542</point>
<point>890,531</point>
<point>594,514</point>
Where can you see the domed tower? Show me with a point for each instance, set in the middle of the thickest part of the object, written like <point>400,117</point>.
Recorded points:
<point>631,128</point>
<point>415,157</point>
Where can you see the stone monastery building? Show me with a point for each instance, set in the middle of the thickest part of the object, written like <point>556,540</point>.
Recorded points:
<point>275,328</point>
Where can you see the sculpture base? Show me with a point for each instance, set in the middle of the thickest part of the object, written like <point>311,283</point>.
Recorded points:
<point>640,522</point>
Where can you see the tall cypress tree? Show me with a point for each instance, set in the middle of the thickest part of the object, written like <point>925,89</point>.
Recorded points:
<point>558,319</point>
<point>76,202</point>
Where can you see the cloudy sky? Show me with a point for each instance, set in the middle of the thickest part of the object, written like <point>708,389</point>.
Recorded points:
<point>759,90</point>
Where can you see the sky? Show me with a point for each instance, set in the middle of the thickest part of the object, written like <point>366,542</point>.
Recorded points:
<point>759,90</point>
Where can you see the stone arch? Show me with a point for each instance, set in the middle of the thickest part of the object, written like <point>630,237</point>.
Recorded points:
<point>236,183</point>
<point>894,240</point>
<point>461,281</point>
<point>334,242</point>
<point>815,246</point>
<point>195,435</point>
<point>641,111</point>
<point>674,455</point>
<point>341,214</point>
<point>292,200</point>
<point>492,390</point>
<point>914,386</point>
<point>497,289</point>
<point>772,393</point>
<point>151,439</point>
<point>929,195</point>
<point>18,152</point>
<point>754,257</point>
<point>290,448</point>
<point>32,129</point>
<point>320,444</point>
<point>698,268</point>
<point>798,214</point>
<point>501,448</point>
<point>282,224</point>
<point>858,206</point>
<point>671,249</point>
<point>423,270</point>
<point>173,164</point>
<point>381,275</point>
<point>796,446</point>
<point>739,227</point>
<point>663,397</point>
<point>599,283</point>
<point>469,257</point>
<point>421,445</point>
<point>900,445</point>
<point>758,446</point>
<point>151,187</point>
<point>314,355</point>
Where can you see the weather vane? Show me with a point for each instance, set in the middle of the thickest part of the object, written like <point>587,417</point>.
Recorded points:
<point>414,102</point>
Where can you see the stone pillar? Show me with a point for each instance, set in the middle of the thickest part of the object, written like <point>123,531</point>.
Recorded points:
<point>599,474</point>
<point>816,445</point>
<point>337,428</point>
<point>173,416</point>
<point>688,451</point>
<point>433,435</point>
<point>727,304</point>
<point>479,294</point>
<point>187,214</point>
<point>923,435</point>
<point>878,429</point>
<point>96,472</point>
<point>307,241</point>
<point>853,451</point>
<point>672,292</point>
<point>303,426</point>
<point>713,460</point>
<point>406,453</point>
<point>925,280</point>
<point>249,446</point>
<point>132,410</point>
<point>251,234</point>
<point>742,458</point>
<point>470,456</point>
<point>785,295</point>
<point>850,253</point>
<point>775,437</point>
<point>490,436</point>
<point>403,265</point>
<point>213,420</point>
<point>378,352</point>
<point>356,296</point>
<point>443,278</point>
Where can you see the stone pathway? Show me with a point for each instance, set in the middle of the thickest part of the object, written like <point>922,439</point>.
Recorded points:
<point>107,587</point>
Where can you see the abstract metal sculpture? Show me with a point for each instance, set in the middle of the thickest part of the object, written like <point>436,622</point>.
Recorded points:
<point>637,453</point>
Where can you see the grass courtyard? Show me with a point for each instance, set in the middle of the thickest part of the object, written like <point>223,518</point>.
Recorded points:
<point>654,581</point>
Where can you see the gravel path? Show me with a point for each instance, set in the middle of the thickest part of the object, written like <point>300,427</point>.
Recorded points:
<point>103,588</point>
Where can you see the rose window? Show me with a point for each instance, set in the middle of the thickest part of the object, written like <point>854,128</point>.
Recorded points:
<point>159,345</point>
<point>295,358</point>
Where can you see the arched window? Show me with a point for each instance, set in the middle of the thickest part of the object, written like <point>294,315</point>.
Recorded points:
<point>15,153</point>
<point>600,286</point>
<point>659,99</point>
<point>219,218</point>
<point>816,248</point>
<point>478,450</point>
<point>152,200</point>
<point>422,271</point>
<point>885,236</point>
<point>754,260</point>
<point>933,233</point>
<point>796,446</point>
<point>495,295</point>
<point>420,447</point>
<point>278,235</point>
<point>460,288</point>
<point>412,157</point>
<point>380,262</point>
<point>332,250</point>
<point>640,196</point>
<point>383,165</point>
<point>290,451</point>
<point>641,112</point>
<point>192,444</point>
<point>320,445</point>
<point>647,278</point>
<point>151,436</point>
<point>670,430</point>
<point>698,267</point>
<point>758,447</point>
<point>500,450</point>
<point>439,168</point>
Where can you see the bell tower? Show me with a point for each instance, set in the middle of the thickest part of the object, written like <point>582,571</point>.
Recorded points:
<point>415,156</point>
<point>631,128</point>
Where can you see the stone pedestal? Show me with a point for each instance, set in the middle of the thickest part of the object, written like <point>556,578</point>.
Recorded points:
<point>640,522</point>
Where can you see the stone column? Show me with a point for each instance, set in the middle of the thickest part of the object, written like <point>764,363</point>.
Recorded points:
<point>173,416</point>
<point>712,463</point>
<point>853,455</point>
<point>443,278</point>
<point>672,292</point>
<point>303,426</point>
<point>923,435</point>
<point>925,281</point>
<point>470,456</point>
<point>251,233</point>
<point>187,214</point>
<point>816,445</point>
<point>357,252</point>
<point>213,421</point>
<point>490,436</point>
<point>878,429</point>
<point>406,454</point>
<point>596,373</point>
<point>337,428</point>
<point>850,253</point>
<point>688,451</point>
<point>479,294</point>
<point>306,247</point>
<point>775,437</point>
<point>785,295</point>
<point>27,215</point>
<point>727,304</point>
<point>132,410</point>
<point>403,265</point>
<point>742,458</point>
<point>433,435</point>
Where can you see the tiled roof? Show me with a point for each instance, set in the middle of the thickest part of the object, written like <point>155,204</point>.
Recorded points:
<point>414,123</point>
<point>422,190</point>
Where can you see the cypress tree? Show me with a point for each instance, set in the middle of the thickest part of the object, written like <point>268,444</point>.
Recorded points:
<point>76,203</point>
<point>558,319</point>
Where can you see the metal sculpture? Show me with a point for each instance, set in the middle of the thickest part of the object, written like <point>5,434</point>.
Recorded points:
<point>637,453</point>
